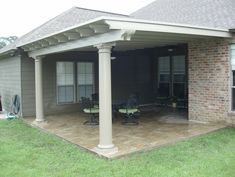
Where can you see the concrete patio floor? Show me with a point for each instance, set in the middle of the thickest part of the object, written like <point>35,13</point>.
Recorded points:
<point>154,130</point>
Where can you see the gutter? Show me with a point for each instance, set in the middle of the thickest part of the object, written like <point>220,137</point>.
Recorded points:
<point>9,53</point>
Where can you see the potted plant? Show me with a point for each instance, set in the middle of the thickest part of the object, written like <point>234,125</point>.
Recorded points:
<point>174,101</point>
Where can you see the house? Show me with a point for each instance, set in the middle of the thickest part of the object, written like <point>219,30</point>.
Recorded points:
<point>168,48</point>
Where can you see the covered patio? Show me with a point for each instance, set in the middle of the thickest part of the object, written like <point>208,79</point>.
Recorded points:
<point>156,129</point>
<point>103,38</point>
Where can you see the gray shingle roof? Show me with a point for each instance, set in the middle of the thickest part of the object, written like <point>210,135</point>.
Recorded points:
<point>208,13</point>
<point>69,18</point>
<point>72,17</point>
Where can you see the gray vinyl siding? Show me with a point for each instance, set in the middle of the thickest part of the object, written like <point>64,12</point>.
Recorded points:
<point>10,80</point>
<point>28,86</point>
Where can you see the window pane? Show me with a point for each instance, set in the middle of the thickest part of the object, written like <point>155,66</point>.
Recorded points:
<point>65,82</point>
<point>233,74</point>
<point>81,91</point>
<point>61,94</point>
<point>178,64</point>
<point>164,64</point>
<point>165,78</point>
<point>81,79</point>
<point>81,68</point>
<point>89,67</point>
<point>89,91</point>
<point>69,94</point>
<point>85,79</point>
<point>233,99</point>
<point>179,69</point>
<point>60,68</point>
<point>89,79</point>
<point>164,69</point>
<point>60,79</point>
<point>69,68</point>
<point>179,78</point>
<point>68,79</point>
<point>233,56</point>
<point>233,78</point>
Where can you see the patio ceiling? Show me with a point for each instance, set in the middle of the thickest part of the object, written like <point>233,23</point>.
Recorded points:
<point>128,34</point>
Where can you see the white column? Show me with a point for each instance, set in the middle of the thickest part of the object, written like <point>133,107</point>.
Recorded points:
<point>39,90</point>
<point>105,99</point>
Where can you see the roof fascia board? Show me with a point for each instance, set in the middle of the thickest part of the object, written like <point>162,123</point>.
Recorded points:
<point>167,28</point>
<point>108,37</point>
<point>160,23</point>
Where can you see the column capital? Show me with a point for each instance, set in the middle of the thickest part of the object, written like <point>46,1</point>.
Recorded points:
<point>105,47</point>
<point>37,58</point>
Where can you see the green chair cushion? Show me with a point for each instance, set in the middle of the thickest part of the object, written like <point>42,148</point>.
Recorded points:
<point>128,111</point>
<point>91,110</point>
<point>96,106</point>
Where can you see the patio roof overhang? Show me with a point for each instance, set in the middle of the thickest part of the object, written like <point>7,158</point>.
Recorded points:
<point>128,34</point>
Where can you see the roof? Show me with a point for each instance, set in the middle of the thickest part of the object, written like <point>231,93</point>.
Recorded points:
<point>204,13</point>
<point>72,17</point>
<point>69,18</point>
<point>208,13</point>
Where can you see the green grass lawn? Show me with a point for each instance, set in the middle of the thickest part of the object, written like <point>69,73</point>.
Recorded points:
<point>28,152</point>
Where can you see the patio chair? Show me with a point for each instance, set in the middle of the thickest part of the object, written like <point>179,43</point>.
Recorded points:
<point>89,108</point>
<point>130,112</point>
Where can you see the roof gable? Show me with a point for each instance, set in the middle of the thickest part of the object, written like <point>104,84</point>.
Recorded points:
<point>72,17</point>
<point>208,13</point>
<point>69,18</point>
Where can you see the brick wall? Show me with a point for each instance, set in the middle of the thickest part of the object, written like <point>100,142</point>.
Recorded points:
<point>208,72</point>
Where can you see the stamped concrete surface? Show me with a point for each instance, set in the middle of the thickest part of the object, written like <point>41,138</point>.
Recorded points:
<point>155,129</point>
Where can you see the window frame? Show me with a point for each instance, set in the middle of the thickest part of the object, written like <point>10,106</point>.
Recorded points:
<point>57,86</point>
<point>159,72</point>
<point>171,82</point>
<point>76,76</point>
<point>231,86</point>
<point>75,81</point>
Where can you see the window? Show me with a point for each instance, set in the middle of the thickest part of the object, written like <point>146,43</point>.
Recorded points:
<point>178,70</point>
<point>172,76</point>
<point>65,82</point>
<point>85,79</point>
<point>233,75</point>
<point>164,76</point>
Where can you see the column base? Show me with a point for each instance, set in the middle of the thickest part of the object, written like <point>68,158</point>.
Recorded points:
<point>107,152</point>
<point>39,122</point>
